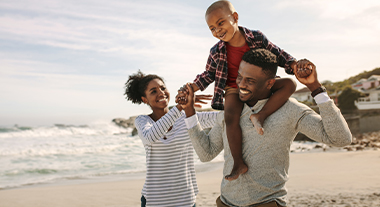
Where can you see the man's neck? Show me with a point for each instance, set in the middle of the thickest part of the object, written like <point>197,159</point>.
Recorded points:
<point>253,102</point>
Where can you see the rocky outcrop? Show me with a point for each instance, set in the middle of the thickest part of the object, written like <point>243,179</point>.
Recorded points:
<point>134,132</point>
<point>365,141</point>
<point>126,123</point>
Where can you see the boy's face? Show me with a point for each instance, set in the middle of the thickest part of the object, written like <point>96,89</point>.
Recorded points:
<point>223,24</point>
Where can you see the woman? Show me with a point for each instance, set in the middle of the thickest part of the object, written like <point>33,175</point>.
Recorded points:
<point>170,175</point>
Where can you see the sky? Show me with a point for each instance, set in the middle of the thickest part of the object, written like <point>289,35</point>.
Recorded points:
<point>66,61</point>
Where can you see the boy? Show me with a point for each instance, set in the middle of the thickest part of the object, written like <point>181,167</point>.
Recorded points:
<point>222,66</point>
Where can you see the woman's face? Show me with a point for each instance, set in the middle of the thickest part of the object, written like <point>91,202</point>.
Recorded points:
<point>156,94</point>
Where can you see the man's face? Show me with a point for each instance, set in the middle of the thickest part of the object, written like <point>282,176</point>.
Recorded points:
<point>253,83</point>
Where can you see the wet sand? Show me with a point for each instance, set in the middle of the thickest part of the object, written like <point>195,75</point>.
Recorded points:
<point>316,179</point>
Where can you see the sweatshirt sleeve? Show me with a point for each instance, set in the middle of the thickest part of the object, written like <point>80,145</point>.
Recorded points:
<point>150,131</point>
<point>207,119</point>
<point>207,146</point>
<point>329,127</point>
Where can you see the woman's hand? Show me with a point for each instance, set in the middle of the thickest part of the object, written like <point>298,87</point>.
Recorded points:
<point>186,99</point>
<point>185,96</point>
<point>183,92</point>
<point>200,98</point>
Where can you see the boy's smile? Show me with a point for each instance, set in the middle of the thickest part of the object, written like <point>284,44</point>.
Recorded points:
<point>224,26</point>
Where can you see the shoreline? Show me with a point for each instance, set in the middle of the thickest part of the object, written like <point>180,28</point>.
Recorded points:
<point>318,179</point>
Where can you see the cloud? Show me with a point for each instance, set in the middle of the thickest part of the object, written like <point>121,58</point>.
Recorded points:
<point>72,57</point>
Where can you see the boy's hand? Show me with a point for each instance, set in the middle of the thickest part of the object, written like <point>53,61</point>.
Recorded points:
<point>310,81</point>
<point>182,95</point>
<point>184,91</point>
<point>303,68</point>
<point>190,98</point>
<point>181,99</point>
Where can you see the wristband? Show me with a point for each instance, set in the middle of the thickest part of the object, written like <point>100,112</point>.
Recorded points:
<point>318,91</point>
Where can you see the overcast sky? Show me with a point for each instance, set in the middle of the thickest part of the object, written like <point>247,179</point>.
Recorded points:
<point>66,61</point>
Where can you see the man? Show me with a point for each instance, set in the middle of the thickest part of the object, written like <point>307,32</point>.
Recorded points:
<point>267,156</point>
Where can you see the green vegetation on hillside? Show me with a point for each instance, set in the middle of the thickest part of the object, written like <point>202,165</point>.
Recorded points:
<point>365,74</point>
<point>333,88</point>
<point>347,98</point>
<point>347,95</point>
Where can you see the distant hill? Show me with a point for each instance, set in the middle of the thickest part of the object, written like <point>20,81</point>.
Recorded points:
<point>335,87</point>
<point>365,74</point>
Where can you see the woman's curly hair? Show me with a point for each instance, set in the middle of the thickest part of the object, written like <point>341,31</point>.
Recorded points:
<point>136,85</point>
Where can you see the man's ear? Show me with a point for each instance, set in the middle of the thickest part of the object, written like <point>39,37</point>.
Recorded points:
<point>271,83</point>
<point>144,99</point>
<point>235,16</point>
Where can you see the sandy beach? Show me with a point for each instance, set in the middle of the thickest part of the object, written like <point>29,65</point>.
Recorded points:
<point>316,179</point>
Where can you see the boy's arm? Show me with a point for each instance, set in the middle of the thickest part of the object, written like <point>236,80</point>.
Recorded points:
<point>282,89</point>
<point>195,87</point>
<point>207,77</point>
<point>285,60</point>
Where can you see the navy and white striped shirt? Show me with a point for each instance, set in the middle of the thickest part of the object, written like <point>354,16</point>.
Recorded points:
<point>170,174</point>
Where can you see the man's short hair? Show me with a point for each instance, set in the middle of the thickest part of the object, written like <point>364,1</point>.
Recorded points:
<point>264,59</point>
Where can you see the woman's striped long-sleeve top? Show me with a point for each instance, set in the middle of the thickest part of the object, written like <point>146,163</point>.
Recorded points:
<point>170,174</point>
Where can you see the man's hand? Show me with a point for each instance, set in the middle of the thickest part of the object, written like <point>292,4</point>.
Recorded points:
<point>311,81</point>
<point>188,102</point>
<point>181,96</point>
<point>189,96</point>
<point>183,92</point>
<point>302,68</point>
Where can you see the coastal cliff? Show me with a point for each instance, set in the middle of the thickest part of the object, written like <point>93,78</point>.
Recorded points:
<point>126,123</point>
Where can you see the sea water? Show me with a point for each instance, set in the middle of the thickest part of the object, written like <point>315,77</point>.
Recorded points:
<point>51,154</point>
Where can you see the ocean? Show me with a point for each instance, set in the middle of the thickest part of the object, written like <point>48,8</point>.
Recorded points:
<point>58,153</point>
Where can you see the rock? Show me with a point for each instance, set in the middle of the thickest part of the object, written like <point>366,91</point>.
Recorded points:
<point>359,147</point>
<point>377,145</point>
<point>126,123</point>
<point>348,148</point>
<point>134,132</point>
<point>365,141</point>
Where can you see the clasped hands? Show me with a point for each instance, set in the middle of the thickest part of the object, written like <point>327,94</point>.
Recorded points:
<point>186,98</point>
<point>302,68</point>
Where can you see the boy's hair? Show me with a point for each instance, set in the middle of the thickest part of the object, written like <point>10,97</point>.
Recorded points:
<point>222,4</point>
<point>264,59</point>
<point>136,85</point>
